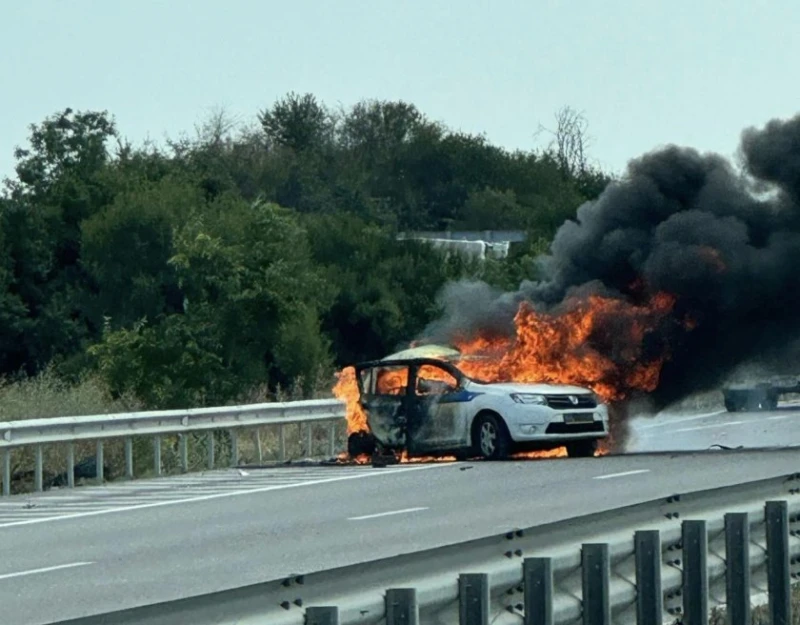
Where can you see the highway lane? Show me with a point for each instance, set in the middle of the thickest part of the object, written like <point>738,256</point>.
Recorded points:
<point>692,431</point>
<point>70,567</point>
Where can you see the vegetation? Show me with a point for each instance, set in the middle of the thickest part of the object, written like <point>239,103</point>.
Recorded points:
<point>244,261</point>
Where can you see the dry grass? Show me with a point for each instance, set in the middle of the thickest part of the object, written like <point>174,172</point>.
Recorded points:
<point>48,396</point>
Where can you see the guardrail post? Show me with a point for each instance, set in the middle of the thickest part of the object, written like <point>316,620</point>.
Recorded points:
<point>402,607</point>
<point>596,570</point>
<point>70,465</point>
<point>737,567</point>
<point>778,571</point>
<point>99,472</point>
<point>6,472</point>
<point>473,599</point>
<point>694,536</point>
<point>183,450</point>
<point>322,616</point>
<point>537,576</point>
<point>234,448</point>
<point>281,443</point>
<point>332,438</point>
<point>129,458</point>
<point>37,469</point>
<point>211,449</point>
<point>157,455</point>
<point>259,453</point>
<point>649,598</point>
<point>309,440</point>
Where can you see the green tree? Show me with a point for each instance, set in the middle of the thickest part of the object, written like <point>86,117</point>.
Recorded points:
<point>251,304</point>
<point>385,289</point>
<point>245,256</point>
<point>126,249</point>
<point>59,182</point>
<point>297,122</point>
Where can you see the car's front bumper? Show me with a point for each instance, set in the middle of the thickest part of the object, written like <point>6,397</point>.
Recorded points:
<point>540,423</point>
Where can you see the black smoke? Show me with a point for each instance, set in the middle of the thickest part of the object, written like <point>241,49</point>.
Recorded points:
<point>725,242</point>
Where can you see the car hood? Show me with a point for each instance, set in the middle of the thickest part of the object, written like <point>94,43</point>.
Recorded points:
<point>544,389</point>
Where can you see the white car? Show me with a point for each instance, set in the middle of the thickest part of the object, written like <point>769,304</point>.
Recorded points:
<point>428,407</point>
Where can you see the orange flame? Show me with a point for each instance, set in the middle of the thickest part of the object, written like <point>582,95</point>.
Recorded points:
<point>597,342</point>
<point>558,452</point>
<point>346,390</point>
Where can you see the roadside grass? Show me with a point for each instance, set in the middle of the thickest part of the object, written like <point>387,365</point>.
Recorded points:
<point>46,396</point>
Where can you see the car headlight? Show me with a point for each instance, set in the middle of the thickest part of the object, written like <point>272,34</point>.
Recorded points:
<point>529,398</point>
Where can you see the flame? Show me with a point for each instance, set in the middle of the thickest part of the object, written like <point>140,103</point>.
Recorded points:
<point>346,390</point>
<point>558,452</point>
<point>597,342</point>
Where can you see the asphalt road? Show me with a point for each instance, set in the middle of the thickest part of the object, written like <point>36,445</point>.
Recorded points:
<point>62,562</point>
<point>703,430</point>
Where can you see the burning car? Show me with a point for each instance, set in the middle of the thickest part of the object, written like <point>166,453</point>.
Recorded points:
<point>421,403</point>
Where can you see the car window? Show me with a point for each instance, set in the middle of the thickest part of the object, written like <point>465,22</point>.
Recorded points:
<point>385,380</point>
<point>433,380</point>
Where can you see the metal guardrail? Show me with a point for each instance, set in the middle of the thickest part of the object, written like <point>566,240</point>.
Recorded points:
<point>671,559</point>
<point>38,432</point>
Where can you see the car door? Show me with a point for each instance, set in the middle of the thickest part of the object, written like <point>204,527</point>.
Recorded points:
<point>383,392</point>
<point>436,417</point>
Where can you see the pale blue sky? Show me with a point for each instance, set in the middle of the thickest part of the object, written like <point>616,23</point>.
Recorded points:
<point>645,73</point>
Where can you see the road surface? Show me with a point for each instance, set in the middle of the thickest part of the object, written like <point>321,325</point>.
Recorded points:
<point>92,550</point>
<point>675,431</point>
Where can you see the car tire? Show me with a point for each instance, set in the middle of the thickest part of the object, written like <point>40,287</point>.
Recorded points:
<point>582,449</point>
<point>491,438</point>
<point>360,444</point>
<point>771,403</point>
<point>731,403</point>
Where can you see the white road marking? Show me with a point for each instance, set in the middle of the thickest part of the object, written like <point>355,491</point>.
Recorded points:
<point>235,493</point>
<point>714,425</point>
<point>382,514</point>
<point>623,474</point>
<point>781,416</point>
<point>45,570</point>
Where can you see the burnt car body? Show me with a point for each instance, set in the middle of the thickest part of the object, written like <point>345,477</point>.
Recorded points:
<point>428,407</point>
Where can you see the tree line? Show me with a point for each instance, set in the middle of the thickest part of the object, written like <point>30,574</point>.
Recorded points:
<point>263,256</point>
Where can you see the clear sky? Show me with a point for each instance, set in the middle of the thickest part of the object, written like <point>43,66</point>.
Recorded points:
<point>645,73</point>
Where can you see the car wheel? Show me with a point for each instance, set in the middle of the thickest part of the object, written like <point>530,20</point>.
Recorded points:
<point>771,403</point>
<point>731,404</point>
<point>582,449</point>
<point>492,439</point>
<point>360,444</point>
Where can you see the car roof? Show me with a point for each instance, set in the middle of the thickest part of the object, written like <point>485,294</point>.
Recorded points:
<point>442,352</point>
<point>390,362</point>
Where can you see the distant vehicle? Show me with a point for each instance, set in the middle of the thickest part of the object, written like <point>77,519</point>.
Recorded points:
<point>762,395</point>
<point>426,406</point>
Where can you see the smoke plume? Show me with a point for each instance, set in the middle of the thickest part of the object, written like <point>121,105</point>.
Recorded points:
<point>725,243</point>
